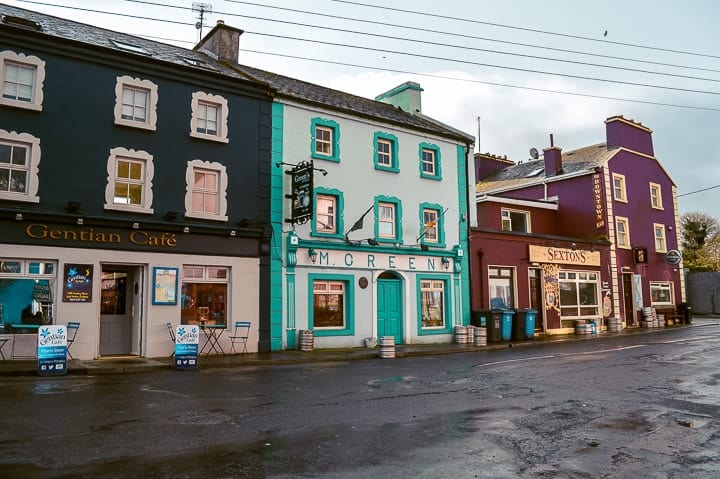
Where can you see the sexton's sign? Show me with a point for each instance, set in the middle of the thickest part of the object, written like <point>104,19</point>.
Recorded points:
<point>549,254</point>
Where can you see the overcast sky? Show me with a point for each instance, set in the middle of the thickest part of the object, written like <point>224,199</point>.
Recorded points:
<point>478,58</point>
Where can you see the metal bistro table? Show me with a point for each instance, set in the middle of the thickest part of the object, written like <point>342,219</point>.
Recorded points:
<point>213,333</point>
<point>33,335</point>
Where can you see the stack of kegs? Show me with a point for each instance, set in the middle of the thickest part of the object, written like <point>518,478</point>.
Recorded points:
<point>306,340</point>
<point>480,336</point>
<point>387,347</point>
<point>470,334</point>
<point>614,325</point>
<point>461,334</point>
<point>650,318</point>
<point>581,327</point>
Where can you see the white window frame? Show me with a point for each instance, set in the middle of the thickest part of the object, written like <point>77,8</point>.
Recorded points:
<point>431,164</point>
<point>326,222</point>
<point>626,232</point>
<point>619,191</point>
<point>506,217</point>
<point>149,172</point>
<point>221,214</point>
<point>656,196</point>
<point>429,288</point>
<point>659,240</point>
<point>578,278</point>
<point>33,178</point>
<point>383,220</point>
<point>331,287</point>
<point>199,98</point>
<point>8,56</point>
<point>497,275</point>
<point>127,82</point>
<point>431,222</point>
<point>665,286</point>
<point>385,153</point>
<point>324,142</point>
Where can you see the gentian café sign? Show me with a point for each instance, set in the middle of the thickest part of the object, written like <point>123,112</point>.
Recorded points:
<point>187,339</point>
<point>52,350</point>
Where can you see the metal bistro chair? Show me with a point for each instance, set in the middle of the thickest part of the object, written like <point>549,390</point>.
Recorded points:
<point>72,328</point>
<point>171,330</point>
<point>240,335</point>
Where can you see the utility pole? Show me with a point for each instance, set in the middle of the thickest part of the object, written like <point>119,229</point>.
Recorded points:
<point>202,9</point>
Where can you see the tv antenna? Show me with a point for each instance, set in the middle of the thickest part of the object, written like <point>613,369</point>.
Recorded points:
<point>202,9</point>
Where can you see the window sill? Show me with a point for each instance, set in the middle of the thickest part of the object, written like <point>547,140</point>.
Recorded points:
<point>19,197</point>
<point>206,217</point>
<point>130,209</point>
<point>203,136</point>
<point>25,105</point>
<point>318,156</point>
<point>135,124</point>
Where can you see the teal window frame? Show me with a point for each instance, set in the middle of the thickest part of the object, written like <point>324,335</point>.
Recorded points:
<point>447,304</point>
<point>339,206</point>
<point>349,300</point>
<point>394,158</point>
<point>438,162</point>
<point>335,127</point>
<point>440,243</point>
<point>398,218</point>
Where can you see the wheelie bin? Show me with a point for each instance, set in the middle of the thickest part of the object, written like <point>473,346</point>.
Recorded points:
<point>494,325</point>
<point>530,317</point>
<point>519,324</point>
<point>507,320</point>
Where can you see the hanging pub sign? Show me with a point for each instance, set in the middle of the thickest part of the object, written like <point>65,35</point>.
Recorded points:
<point>640,255</point>
<point>673,256</point>
<point>302,191</point>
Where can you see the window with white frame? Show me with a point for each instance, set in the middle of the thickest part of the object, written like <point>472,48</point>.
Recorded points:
<point>656,196</point>
<point>661,293</point>
<point>19,160</point>
<point>22,79</point>
<point>28,291</point>
<point>501,286</point>
<point>622,231</point>
<point>325,213</point>
<point>136,103</point>
<point>515,220</point>
<point>204,298</point>
<point>329,304</point>
<point>129,180</point>
<point>206,190</point>
<point>325,139</point>
<point>430,225</point>
<point>619,190</point>
<point>659,233</point>
<point>384,149</point>
<point>386,152</point>
<point>386,220</point>
<point>579,296</point>
<point>432,303</point>
<point>209,117</point>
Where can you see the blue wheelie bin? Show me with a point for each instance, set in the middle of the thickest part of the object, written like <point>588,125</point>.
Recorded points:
<point>530,316</point>
<point>507,320</point>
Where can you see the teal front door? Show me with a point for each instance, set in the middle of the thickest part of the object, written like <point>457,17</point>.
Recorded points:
<point>389,309</point>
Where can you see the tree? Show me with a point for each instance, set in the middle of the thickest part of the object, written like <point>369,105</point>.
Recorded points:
<point>700,235</point>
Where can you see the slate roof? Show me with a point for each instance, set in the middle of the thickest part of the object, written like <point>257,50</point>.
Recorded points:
<point>283,85</point>
<point>574,162</point>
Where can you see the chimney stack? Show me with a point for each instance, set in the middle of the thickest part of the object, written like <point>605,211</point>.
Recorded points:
<point>553,159</point>
<point>221,43</point>
<point>407,96</point>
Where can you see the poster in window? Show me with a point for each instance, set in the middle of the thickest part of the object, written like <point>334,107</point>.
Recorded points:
<point>165,285</point>
<point>77,283</point>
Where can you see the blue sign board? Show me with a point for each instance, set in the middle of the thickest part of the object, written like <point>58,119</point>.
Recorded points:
<point>187,340</point>
<point>52,350</point>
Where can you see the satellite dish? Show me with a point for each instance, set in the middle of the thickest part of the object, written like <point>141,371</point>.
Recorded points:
<point>534,153</point>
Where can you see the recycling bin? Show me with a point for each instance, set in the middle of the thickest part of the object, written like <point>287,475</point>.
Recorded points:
<point>507,320</point>
<point>518,325</point>
<point>530,318</point>
<point>492,321</point>
<point>479,319</point>
<point>686,310</point>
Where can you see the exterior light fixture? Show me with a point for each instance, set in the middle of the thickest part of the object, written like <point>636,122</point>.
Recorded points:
<point>136,226</point>
<point>313,255</point>
<point>80,221</point>
<point>186,229</point>
<point>18,217</point>
<point>232,233</point>
<point>445,262</point>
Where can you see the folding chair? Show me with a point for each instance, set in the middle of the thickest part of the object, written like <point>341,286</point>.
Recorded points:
<point>240,335</point>
<point>171,330</point>
<point>72,328</point>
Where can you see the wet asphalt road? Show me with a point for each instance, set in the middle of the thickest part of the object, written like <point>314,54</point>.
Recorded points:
<point>623,407</point>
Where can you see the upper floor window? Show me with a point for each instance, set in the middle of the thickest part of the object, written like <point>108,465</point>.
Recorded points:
<point>430,161</point>
<point>136,103</point>
<point>432,231</point>
<point>209,117</point>
<point>619,191</point>
<point>22,79</point>
<point>660,244</point>
<point>656,196</point>
<point>325,139</point>
<point>387,214</point>
<point>386,152</point>
<point>515,220</point>
<point>206,190</point>
<point>622,230</point>
<point>129,180</point>
<point>328,212</point>
<point>19,159</point>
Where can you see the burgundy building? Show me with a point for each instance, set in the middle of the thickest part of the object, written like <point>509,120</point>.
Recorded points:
<point>587,234</point>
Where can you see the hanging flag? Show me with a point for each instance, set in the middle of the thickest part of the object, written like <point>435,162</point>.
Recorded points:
<point>359,223</point>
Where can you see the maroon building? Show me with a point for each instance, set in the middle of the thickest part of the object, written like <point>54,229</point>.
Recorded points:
<point>588,234</point>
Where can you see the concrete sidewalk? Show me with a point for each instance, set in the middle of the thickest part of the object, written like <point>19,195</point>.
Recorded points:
<point>119,365</point>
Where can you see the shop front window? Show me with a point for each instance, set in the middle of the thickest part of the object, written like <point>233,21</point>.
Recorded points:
<point>204,295</point>
<point>27,292</point>
<point>501,285</point>
<point>432,303</point>
<point>661,293</point>
<point>329,304</point>
<point>579,296</point>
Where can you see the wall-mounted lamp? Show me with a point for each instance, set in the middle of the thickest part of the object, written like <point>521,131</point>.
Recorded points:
<point>18,217</point>
<point>372,242</point>
<point>136,226</point>
<point>445,262</point>
<point>313,255</point>
<point>72,206</point>
<point>233,233</point>
<point>573,246</point>
<point>80,221</point>
<point>186,229</point>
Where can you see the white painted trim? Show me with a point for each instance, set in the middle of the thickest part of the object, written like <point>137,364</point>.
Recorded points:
<point>149,170</point>
<point>512,201</point>
<point>33,179</point>
<point>222,189</point>
<point>222,105</point>
<point>150,122</point>
<point>38,81</point>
